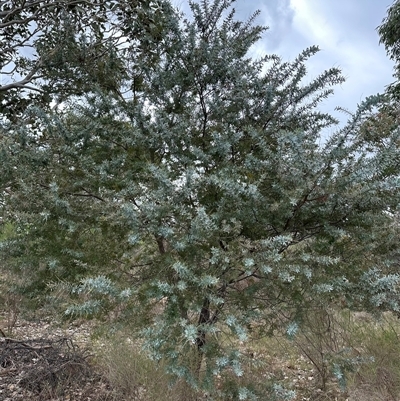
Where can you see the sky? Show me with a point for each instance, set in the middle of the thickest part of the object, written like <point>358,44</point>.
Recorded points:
<point>344,30</point>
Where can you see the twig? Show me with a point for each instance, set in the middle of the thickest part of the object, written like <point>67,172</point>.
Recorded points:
<point>24,344</point>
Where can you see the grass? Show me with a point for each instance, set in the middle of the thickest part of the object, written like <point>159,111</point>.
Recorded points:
<point>304,364</point>
<point>366,348</point>
<point>379,378</point>
<point>133,376</point>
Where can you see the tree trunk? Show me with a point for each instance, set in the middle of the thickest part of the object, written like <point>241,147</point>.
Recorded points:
<point>204,319</point>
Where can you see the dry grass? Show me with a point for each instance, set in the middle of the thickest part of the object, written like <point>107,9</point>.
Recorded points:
<point>133,376</point>
<point>378,379</point>
<point>304,363</point>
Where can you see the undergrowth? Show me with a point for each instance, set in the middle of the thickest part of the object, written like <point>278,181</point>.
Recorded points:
<point>336,356</point>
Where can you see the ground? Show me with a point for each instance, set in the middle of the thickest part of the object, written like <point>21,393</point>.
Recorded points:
<point>43,361</point>
<point>40,362</point>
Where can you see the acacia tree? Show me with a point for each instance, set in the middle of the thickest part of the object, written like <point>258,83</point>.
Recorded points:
<point>208,190</point>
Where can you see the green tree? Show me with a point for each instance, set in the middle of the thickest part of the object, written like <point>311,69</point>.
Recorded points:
<point>390,36</point>
<point>210,194</point>
<point>51,50</point>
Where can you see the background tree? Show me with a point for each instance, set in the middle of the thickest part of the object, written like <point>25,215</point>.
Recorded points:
<point>390,36</point>
<point>51,50</point>
<point>210,193</point>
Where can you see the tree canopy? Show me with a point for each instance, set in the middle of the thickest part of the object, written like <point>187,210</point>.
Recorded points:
<point>390,36</point>
<point>207,200</point>
<point>51,50</point>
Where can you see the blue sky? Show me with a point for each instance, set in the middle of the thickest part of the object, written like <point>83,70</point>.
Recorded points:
<point>345,31</point>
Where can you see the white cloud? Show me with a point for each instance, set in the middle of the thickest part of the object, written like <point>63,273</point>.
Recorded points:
<point>312,23</point>
<point>345,31</point>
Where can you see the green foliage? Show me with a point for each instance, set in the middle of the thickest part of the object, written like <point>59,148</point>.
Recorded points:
<point>206,201</point>
<point>390,37</point>
<point>54,49</point>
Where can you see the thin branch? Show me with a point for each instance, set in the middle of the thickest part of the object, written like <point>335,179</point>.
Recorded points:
<point>22,84</point>
<point>86,195</point>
